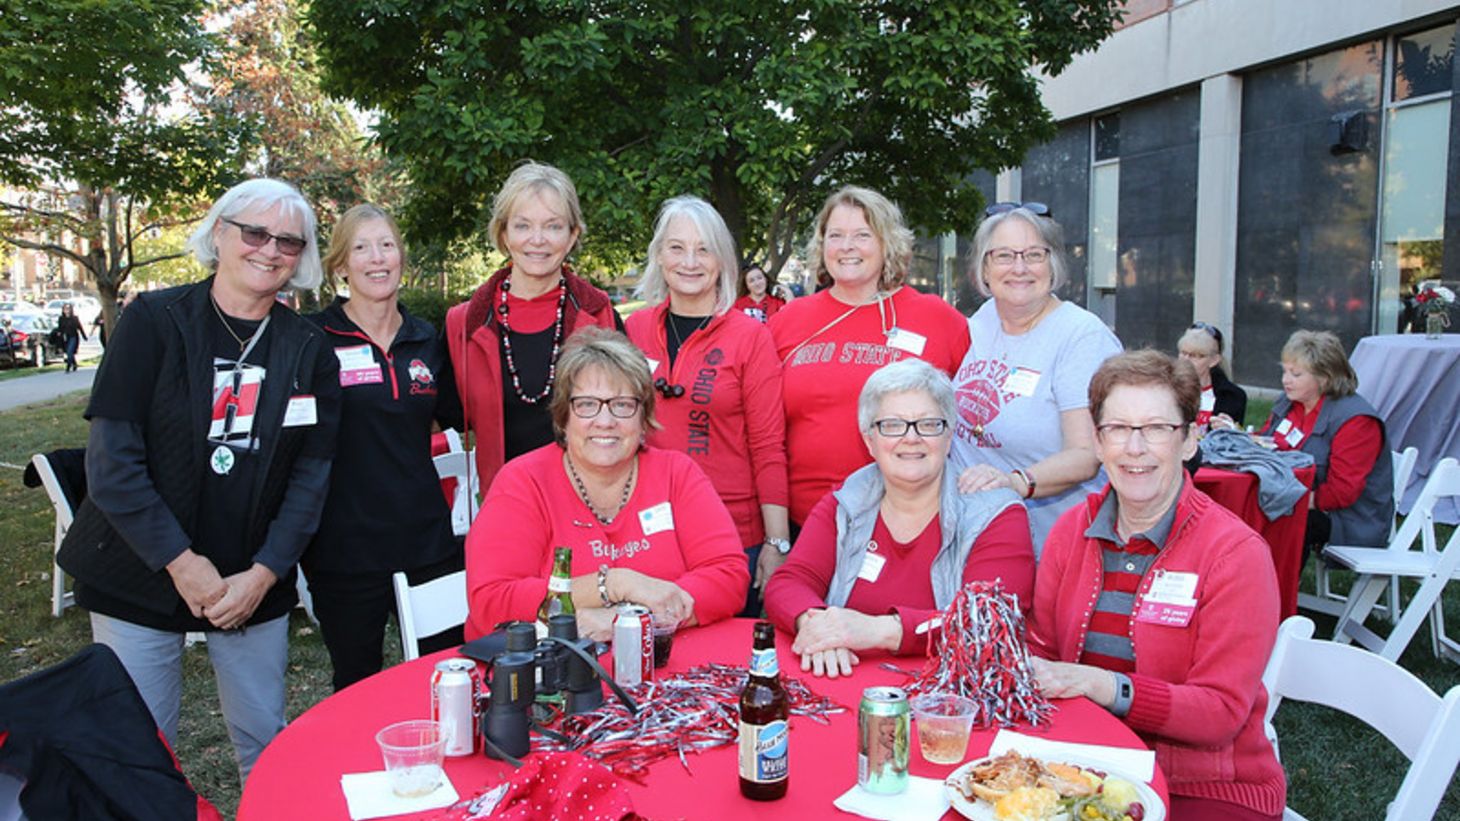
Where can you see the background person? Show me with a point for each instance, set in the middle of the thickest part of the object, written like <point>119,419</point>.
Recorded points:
<point>71,333</point>
<point>831,341</point>
<point>718,377</point>
<point>1223,403</point>
<point>1160,605</point>
<point>1321,414</point>
<point>890,548</point>
<point>385,511</point>
<point>505,340</point>
<point>755,300</point>
<point>1023,422</point>
<point>644,524</point>
<point>213,422</point>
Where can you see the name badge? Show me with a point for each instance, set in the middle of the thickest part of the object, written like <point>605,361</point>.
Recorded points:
<point>1208,401</point>
<point>905,340</point>
<point>301,412</point>
<point>1021,381</point>
<point>358,366</point>
<point>1170,601</point>
<point>872,564</point>
<point>656,519</point>
<point>1293,437</point>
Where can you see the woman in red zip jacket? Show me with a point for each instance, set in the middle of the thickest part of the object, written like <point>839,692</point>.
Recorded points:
<point>505,340</point>
<point>385,510</point>
<point>717,371</point>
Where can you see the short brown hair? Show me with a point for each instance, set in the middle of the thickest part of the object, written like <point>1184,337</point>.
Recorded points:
<point>1147,368</point>
<point>534,178</point>
<point>616,356</point>
<point>1322,355</point>
<point>343,236</point>
<point>883,217</point>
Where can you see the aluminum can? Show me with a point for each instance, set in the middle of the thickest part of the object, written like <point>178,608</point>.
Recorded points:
<point>454,687</point>
<point>633,645</point>
<point>882,740</point>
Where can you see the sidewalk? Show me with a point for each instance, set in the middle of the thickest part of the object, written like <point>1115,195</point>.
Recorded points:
<point>43,387</point>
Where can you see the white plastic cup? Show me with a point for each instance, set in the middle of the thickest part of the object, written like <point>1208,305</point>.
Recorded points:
<point>412,751</point>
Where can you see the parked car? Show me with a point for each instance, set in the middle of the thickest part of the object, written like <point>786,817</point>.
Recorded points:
<point>87,309</point>
<point>30,341</point>
<point>13,307</point>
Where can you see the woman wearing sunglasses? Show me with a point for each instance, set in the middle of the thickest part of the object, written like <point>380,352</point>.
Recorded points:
<point>645,525</point>
<point>1223,403</point>
<point>889,548</point>
<point>213,423</point>
<point>1022,387</point>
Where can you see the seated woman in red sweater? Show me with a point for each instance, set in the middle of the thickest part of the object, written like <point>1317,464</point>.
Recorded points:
<point>1158,604</point>
<point>644,524</point>
<point>890,547</point>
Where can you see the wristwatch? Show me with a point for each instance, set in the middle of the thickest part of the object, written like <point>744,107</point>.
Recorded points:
<point>782,546</point>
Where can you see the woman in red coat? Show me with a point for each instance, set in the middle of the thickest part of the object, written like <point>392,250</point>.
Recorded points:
<point>756,301</point>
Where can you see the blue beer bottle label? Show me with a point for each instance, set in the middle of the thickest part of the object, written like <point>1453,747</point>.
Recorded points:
<point>764,663</point>
<point>764,751</point>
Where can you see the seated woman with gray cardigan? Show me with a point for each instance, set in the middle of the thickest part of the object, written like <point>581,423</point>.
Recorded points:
<point>890,547</point>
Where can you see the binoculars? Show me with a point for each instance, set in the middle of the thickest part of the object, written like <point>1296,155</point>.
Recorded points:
<point>520,668</point>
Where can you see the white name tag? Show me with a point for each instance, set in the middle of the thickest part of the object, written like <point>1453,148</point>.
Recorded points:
<point>301,412</point>
<point>656,519</point>
<point>1208,400</point>
<point>872,564</point>
<point>905,340</point>
<point>1170,601</point>
<point>1021,381</point>
<point>1171,586</point>
<point>653,365</point>
<point>355,357</point>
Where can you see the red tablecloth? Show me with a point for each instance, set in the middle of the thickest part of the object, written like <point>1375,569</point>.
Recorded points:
<point>1237,492</point>
<point>298,775</point>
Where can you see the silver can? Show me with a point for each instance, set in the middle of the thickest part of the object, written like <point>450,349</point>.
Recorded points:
<point>454,702</point>
<point>633,645</point>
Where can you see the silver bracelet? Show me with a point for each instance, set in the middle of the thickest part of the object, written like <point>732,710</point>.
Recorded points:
<point>603,585</point>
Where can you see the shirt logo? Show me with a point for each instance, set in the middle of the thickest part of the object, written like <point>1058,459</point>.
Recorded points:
<point>422,380</point>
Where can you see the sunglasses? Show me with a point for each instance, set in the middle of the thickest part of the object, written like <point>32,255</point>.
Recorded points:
<point>1214,331</point>
<point>256,237</point>
<point>1038,209</point>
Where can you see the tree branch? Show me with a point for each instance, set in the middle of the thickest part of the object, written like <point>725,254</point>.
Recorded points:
<point>160,258</point>
<point>48,248</point>
<point>41,213</point>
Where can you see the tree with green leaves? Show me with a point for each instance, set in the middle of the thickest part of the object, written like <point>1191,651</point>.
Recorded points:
<point>762,106</point>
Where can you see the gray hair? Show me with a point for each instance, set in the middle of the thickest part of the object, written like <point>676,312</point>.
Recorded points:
<point>713,233</point>
<point>1049,233</point>
<point>906,376</point>
<point>261,194</point>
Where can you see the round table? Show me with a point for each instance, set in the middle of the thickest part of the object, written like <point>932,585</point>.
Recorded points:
<point>298,775</point>
<point>1237,492</point>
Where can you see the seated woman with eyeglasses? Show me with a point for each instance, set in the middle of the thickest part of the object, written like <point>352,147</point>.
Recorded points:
<point>644,524</point>
<point>890,547</point>
<point>1223,403</point>
<point>1160,605</point>
<point>1022,385</point>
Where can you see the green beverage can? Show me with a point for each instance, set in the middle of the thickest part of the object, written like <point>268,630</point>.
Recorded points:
<point>882,740</point>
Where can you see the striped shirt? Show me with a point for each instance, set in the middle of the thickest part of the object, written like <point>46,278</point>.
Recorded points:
<point>1107,642</point>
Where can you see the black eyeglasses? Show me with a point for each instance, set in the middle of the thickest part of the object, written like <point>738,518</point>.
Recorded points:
<point>1155,433</point>
<point>1214,331</point>
<point>1038,209</point>
<point>667,390</point>
<point>256,237</point>
<point>898,428</point>
<point>587,407</point>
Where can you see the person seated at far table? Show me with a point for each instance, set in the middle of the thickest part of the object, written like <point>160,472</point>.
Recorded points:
<point>1322,415</point>
<point>1223,402</point>
<point>1160,605</point>
<point>890,547</point>
<point>645,525</point>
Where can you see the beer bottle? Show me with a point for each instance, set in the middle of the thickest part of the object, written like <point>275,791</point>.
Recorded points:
<point>559,598</point>
<point>764,733</point>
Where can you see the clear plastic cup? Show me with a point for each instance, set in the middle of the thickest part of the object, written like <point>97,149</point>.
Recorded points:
<point>943,721</point>
<point>663,642</point>
<point>412,751</point>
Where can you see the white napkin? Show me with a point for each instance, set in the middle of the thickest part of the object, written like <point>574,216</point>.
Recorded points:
<point>1139,764</point>
<point>924,799</point>
<point>369,796</point>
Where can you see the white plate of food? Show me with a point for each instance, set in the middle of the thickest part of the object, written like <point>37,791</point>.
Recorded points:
<point>1012,787</point>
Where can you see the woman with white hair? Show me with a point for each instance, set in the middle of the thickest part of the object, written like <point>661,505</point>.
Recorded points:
<point>889,548</point>
<point>717,372</point>
<point>213,423</point>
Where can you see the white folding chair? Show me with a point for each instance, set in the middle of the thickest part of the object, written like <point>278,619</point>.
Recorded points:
<point>1325,600</point>
<point>1381,694</point>
<point>1376,568</point>
<point>429,608</point>
<point>60,597</point>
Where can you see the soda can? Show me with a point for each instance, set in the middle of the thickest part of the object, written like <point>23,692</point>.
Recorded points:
<point>633,645</point>
<point>882,740</point>
<point>454,703</point>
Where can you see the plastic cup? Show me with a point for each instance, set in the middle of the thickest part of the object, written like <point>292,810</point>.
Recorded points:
<point>412,751</point>
<point>944,721</point>
<point>663,641</point>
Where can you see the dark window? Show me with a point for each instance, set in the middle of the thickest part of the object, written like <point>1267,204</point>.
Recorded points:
<point>1107,137</point>
<point>1423,63</point>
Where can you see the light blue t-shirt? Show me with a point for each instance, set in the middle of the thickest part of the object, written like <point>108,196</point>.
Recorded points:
<point>1012,390</point>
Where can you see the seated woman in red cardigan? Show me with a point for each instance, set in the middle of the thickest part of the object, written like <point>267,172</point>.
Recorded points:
<point>890,547</point>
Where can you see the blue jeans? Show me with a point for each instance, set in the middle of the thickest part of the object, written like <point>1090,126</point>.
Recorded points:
<point>72,343</point>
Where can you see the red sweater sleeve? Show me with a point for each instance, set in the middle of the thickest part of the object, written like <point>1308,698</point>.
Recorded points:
<point>716,574</point>
<point>507,553</point>
<point>801,583</point>
<point>1355,449</point>
<point>765,418</point>
<point>1002,551</point>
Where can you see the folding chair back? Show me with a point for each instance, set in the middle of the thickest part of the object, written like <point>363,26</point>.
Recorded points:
<point>60,598</point>
<point>429,608</point>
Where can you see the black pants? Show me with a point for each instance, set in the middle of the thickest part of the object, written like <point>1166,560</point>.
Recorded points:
<point>1320,528</point>
<point>352,610</point>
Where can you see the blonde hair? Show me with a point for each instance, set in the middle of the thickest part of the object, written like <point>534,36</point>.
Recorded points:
<point>883,217</point>
<point>534,178</point>
<point>1321,353</point>
<point>343,236</point>
<point>713,233</point>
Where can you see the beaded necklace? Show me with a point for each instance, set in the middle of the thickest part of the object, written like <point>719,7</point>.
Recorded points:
<point>502,312</point>
<point>583,491</point>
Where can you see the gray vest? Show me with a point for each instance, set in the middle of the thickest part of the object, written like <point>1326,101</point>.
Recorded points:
<point>1366,522</point>
<point>961,517</point>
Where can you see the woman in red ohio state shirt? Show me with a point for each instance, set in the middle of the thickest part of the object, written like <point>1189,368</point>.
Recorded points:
<point>756,301</point>
<point>718,378</point>
<point>888,549</point>
<point>644,524</point>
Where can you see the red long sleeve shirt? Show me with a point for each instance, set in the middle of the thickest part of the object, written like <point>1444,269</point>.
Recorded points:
<point>672,528</point>
<point>761,311</point>
<point>730,419</point>
<point>1351,456</point>
<point>905,584</point>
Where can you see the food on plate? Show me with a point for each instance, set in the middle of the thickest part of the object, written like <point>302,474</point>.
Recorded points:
<point>1023,788</point>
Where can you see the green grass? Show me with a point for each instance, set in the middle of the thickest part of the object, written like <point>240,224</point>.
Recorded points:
<point>21,371</point>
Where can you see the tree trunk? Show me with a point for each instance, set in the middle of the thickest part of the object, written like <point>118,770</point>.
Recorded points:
<point>725,195</point>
